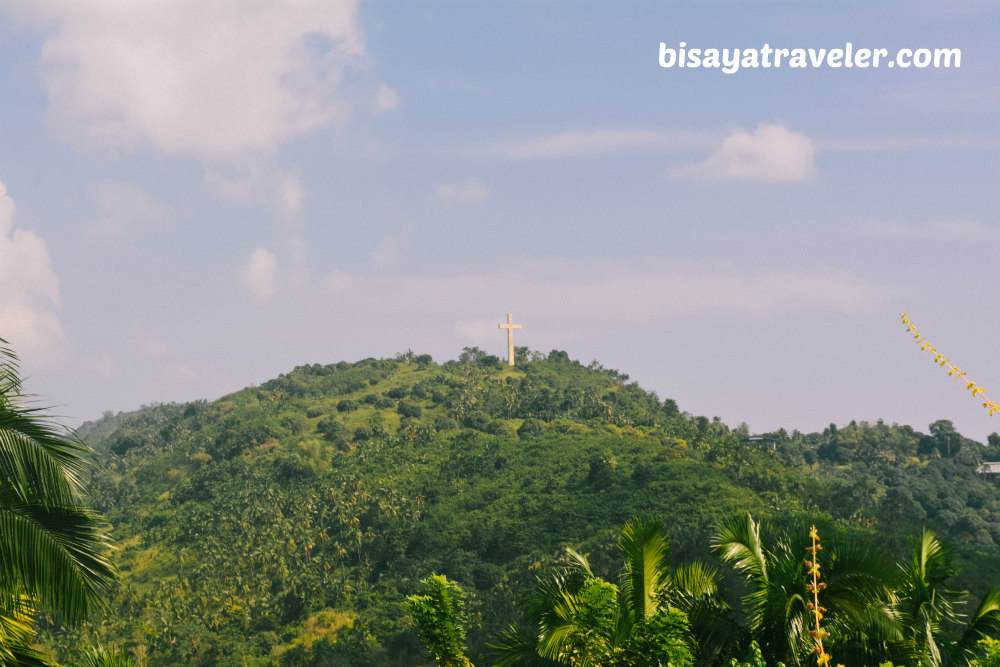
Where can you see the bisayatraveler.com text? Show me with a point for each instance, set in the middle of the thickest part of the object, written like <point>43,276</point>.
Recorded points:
<point>731,61</point>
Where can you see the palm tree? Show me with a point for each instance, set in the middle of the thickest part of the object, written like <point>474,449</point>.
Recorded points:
<point>930,612</point>
<point>858,581</point>
<point>576,618</point>
<point>695,589</point>
<point>52,546</point>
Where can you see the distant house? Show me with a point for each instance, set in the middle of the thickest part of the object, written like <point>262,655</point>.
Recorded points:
<point>990,468</point>
<point>769,442</point>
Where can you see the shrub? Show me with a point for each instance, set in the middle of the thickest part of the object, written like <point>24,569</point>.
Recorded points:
<point>443,423</point>
<point>501,427</point>
<point>477,420</point>
<point>332,430</point>
<point>408,409</point>
<point>531,428</point>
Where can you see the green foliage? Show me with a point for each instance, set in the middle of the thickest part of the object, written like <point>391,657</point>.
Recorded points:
<point>52,546</point>
<point>664,639</point>
<point>580,619</point>
<point>587,634</point>
<point>409,409</point>
<point>531,428</point>
<point>990,653</point>
<point>347,405</point>
<point>240,532</point>
<point>439,615</point>
<point>755,658</point>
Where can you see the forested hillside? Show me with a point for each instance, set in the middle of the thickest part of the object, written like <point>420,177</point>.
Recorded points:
<point>285,524</point>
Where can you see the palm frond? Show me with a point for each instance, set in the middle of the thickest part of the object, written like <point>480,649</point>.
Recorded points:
<point>695,579</point>
<point>695,589</point>
<point>579,561</point>
<point>105,656</point>
<point>52,546</point>
<point>924,604</point>
<point>56,554</point>
<point>647,558</point>
<point>16,633</point>
<point>737,541</point>
<point>558,625</point>
<point>517,647</point>
<point>933,559</point>
<point>984,622</point>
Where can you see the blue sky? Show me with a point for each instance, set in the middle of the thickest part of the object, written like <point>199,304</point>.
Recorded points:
<point>200,196</point>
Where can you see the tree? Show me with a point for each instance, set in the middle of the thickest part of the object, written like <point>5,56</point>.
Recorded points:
<point>52,546</point>
<point>947,438</point>
<point>576,618</point>
<point>438,611</point>
<point>931,613</point>
<point>858,589</point>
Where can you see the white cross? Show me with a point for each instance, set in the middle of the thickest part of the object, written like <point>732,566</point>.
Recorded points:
<point>510,326</point>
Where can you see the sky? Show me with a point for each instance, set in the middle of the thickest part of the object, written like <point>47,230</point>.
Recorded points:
<point>200,196</point>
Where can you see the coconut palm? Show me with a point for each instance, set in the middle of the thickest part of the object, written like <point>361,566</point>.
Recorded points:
<point>858,580</point>
<point>933,632</point>
<point>576,618</point>
<point>695,589</point>
<point>52,546</point>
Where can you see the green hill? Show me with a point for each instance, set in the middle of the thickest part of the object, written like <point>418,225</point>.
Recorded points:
<point>284,524</point>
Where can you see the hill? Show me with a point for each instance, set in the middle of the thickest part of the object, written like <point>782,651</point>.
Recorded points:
<point>284,524</point>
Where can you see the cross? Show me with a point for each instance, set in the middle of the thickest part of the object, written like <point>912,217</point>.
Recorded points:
<point>510,326</point>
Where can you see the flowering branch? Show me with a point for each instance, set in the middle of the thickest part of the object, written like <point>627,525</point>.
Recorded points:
<point>953,371</point>
<point>814,586</point>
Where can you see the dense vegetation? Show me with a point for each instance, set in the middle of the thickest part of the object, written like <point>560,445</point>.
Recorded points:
<point>286,524</point>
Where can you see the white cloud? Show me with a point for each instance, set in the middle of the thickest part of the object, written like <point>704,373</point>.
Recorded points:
<point>469,191</point>
<point>386,99</point>
<point>29,294</point>
<point>771,153</point>
<point>259,274</point>
<point>941,230</point>
<point>209,80</point>
<point>290,195</point>
<point>255,182</point>
<point>123,208</point>
<point>595,142</point>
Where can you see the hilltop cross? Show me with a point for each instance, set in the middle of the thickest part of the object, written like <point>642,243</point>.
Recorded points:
<point>510,326</point>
